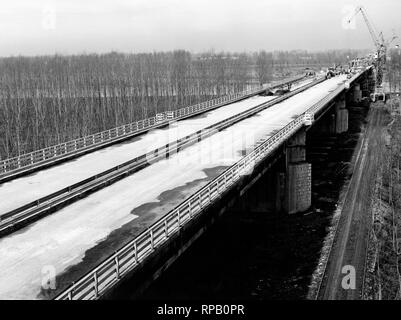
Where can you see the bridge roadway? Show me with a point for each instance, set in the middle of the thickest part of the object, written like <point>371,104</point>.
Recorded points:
<point>40,184</point>
<point>78,237</point>
<point>89,173</point>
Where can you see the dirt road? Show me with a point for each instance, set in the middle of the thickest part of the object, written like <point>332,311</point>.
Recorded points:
<point>350,242</point>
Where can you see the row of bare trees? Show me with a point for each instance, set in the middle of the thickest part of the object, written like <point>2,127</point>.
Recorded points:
<point>47,100</point>
<point>50,99</point>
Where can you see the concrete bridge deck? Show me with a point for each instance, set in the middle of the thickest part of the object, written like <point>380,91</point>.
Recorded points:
<point>78,237</point>
<point>86,174</point>
<point>46,181</point>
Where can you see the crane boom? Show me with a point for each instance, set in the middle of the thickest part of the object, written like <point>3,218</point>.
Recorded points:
<point>381,46</point>
<point>369,25</point>
<point>390,41</point>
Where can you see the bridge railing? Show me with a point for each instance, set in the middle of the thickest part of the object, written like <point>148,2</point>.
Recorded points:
<point>322,103</point>
<point>45,155</point>
<point>73,146</point>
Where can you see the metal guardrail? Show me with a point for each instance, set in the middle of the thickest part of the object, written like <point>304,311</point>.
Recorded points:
<point>19,216</point>
<point>97,281</point>
<point>322,103</point>
<point>73,146</point>
<point>47,155</point>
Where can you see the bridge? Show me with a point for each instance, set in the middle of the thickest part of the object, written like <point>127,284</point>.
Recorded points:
<point>125,203</point>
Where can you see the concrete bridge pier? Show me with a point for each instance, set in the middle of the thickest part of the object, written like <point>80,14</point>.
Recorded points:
<point>336,120</point>
<point>298,178</point>
<point>341,114</point>
<point>286,187</point>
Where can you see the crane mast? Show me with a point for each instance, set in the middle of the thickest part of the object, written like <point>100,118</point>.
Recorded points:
<point>380,45</point>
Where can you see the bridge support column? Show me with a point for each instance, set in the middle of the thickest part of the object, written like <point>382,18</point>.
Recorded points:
<point>341,117</point>
<point>357,94</point>
<point>298,181</point>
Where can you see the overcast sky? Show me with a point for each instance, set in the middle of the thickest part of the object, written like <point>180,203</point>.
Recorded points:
<point>31,27</point>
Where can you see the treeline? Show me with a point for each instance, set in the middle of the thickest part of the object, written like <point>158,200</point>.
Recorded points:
<point>323,58</point>
<point>50,99</point>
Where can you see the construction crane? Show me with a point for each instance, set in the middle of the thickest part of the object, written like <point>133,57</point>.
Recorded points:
<point>381,51</point>
<point>388,42</point>
<point>372,32</point>
<point>386,45</point>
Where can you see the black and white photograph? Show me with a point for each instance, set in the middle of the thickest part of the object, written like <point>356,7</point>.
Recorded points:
<point>198,156</point>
